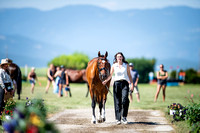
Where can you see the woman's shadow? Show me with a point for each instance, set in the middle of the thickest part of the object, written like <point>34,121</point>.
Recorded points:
<point>144,123</point>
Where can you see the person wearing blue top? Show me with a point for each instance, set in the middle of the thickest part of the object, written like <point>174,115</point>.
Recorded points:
<point>121,70</point>
<point>135,77</point>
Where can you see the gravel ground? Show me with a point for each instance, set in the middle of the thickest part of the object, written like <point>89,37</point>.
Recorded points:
<point>79,121</point>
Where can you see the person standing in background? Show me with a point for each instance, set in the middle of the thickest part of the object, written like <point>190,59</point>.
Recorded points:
<point>64,82</point>
<point>6,84</point>
<point>57,75</point>
<point>32,77</point>
<point>135,77</point>
<point>162,76</point>
<point>50,76</point>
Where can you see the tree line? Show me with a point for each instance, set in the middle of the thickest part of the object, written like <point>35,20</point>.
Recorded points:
<point>142,65</point>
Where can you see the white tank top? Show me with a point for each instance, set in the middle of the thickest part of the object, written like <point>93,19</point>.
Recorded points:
<point>120,73</point>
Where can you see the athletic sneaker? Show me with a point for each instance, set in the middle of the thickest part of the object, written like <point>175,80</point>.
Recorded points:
<point>118,122</point>
<point>124,120</point>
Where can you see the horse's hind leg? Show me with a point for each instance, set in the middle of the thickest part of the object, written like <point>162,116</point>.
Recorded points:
<point>87,91</point>
<point>93,111</point>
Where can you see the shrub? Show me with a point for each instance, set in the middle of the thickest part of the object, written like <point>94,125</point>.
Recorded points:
<point>74,61</point>
<point>193,116</point>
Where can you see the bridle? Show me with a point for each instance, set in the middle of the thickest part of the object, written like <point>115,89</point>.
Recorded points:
<point>99,71</point>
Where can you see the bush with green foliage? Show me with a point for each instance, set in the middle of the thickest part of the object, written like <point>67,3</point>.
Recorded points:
<point>74,61</point>
<point>190,113</point>
<point>143,66</point>
<point>172,74</point>
<point>193,115</point>
<point>192,76</point>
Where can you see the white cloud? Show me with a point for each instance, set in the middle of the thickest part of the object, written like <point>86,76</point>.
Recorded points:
<point>38,46</point>
<point>196,30</point>
<point>109,5</point>
<point>2,37</point>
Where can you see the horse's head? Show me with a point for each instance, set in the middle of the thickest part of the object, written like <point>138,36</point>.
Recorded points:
<point>103,66</point>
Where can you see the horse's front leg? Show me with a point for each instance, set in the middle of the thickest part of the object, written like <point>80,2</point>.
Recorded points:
<point>100,120</point>
<point>93,111</point>
<point>104,111</point>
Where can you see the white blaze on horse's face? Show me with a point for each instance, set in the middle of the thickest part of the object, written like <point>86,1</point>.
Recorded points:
<point>102,69</point>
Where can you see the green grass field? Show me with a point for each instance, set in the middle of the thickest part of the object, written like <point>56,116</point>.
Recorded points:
<point>55,104</point>
<point>175,94</point>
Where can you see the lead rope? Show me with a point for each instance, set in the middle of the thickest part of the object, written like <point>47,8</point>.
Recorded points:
<point>105,85</point>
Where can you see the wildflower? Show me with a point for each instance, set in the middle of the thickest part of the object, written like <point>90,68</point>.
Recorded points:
<point>34,119</point>
<point>8,127</point>
<point>192,95</point>
<point>32,129</point>
<point>7,117</point>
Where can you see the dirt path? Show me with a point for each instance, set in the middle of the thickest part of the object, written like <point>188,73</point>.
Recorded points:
<point>79,121</point>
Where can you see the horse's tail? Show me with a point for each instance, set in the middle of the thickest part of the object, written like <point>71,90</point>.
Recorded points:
<point>19,81</point>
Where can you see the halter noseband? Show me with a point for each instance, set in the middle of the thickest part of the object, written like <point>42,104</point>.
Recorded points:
<point>99,70</point>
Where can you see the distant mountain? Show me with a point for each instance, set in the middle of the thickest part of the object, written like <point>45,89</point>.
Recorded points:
<point>175,64</point>
<point>171,33</point>
<point>23,51</point>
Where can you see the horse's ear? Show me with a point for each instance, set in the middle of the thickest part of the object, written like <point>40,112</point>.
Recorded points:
<point>106,54</point>
<point>99,54</point>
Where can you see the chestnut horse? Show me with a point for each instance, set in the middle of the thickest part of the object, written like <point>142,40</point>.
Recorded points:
<point>97,71</point>
<point>78,76</point>
<point>15,74</point>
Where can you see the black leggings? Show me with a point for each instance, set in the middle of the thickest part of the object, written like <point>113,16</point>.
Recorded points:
<point>121,101</point>
<point>1,99</point>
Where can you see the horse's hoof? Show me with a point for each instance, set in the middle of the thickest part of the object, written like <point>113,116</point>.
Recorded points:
<point>104,119</point>
<point>93,122</point>
<point>99,121</point>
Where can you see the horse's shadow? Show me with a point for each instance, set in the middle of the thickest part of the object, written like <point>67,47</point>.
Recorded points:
<point>144,123</point>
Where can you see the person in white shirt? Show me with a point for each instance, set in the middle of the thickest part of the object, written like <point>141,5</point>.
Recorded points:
<point>6,84</point>
<point>121,70</point>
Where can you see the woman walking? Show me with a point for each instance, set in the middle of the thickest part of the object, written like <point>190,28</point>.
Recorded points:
<point>120,87</point>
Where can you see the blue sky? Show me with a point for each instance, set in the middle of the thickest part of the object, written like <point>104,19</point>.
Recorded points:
<point>116,35</point>
<point>108,4</point>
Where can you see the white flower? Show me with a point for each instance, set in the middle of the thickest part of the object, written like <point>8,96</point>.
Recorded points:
<point>7,117</point>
